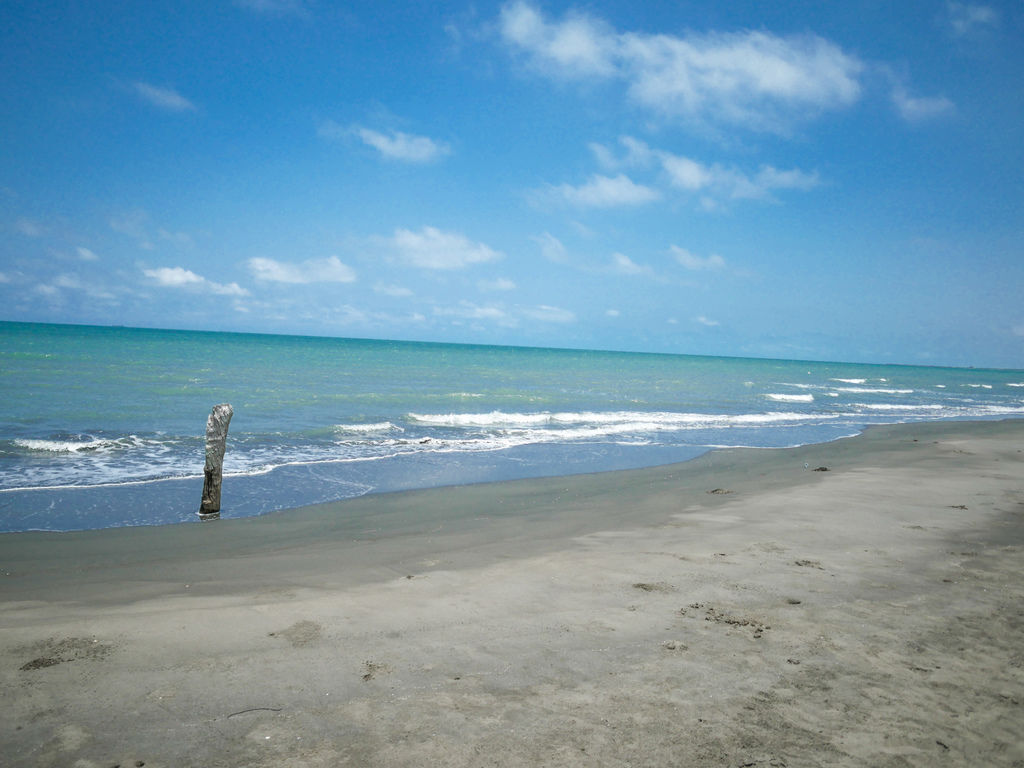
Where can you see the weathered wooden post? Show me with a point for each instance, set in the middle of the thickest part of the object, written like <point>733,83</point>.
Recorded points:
<point>216,440</point>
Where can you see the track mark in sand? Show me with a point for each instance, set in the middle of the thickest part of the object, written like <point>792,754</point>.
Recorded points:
<point>719,617</point>
<point>658,586</point>
<point>253,709</point>
<point>373,669</point>
<point>301,633</point>
<point>52,651</point>
<point>809,564</point>
<point>719,491</point>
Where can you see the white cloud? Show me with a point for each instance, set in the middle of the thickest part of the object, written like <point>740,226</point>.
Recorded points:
<point>179,277</point>
<point>715,181</point>
<point>706,321</point>
<point>498,284</point>
<point>638,154</point>
<point>396,291</point>
<point>692,176</point>
<point>85,254</point>
<point>576,47</point>
<point>395,145</point>
<point>163,98</point>
<point>4,278</point>
<point>920,108</point>
<point>74,283</point>
<point>403,146</point>
<point>329,270</point>
<point>754,79</point>
<point>548,314</point>
<point>965,18</point>
<point>606,192</point>
<point>612,313</point>
<point>623,265</point>
<point>689,174</point>
<point>552,249</point>
<point>468,311</point>
<point>697,263</point>
<point>431,248</point>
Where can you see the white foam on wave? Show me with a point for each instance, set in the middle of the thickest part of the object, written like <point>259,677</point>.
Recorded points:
<point>781,398</point>
<point>1015,384</point>
<point>898,407</point>
<point>850,381</point>
<point>980,386</point>
<point>637,420</point>
<point>93,444</point>
<point>875,390</point>
<point>361,429</point>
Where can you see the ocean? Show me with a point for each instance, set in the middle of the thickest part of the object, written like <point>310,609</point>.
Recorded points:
<point>103,427</point>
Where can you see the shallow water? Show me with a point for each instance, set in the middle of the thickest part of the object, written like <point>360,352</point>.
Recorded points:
<point>104,427</point>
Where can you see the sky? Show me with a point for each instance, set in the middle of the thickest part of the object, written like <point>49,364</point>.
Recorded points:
<point>800,180</point>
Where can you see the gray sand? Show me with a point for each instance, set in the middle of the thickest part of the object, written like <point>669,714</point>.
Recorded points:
<point>869,615</point>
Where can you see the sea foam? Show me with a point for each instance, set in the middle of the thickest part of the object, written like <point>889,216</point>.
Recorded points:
<point>782,398</point>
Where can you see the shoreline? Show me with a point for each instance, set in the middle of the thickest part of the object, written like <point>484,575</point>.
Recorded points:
<point>867,615</point>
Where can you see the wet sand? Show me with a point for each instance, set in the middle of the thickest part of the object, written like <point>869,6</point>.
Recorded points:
<point>742,610</point>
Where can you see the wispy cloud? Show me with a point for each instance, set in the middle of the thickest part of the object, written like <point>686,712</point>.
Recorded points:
<point>623,265</point>
<point>604,192</point>
<point>915,109</point>
<point>753,79</point>
<point>396,291</point>
<point>498,284</point>
<point>28,227</point>
<point>329,270</point>
<point>467,310</point>
<point>552,248</point>
<point>394,145</point>
<point>714,180</point>
<point>966,19</point>
<point>134,224</point>
<point>179,277</point>
<point>275,7</point>
<point>431,248</point>
<point>694,262</point>
<point>548,314</point>
<point>85,254</point>
<point>706,321</point>
<point>167,99</point>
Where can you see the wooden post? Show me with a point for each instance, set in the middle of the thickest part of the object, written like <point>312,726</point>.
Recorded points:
<point>216,440</point>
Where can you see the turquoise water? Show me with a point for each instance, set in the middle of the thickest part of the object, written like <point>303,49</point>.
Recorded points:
<point>104,427</point>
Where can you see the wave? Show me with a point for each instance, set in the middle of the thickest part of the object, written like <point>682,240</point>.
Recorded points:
<point>898,407</point>
<point>639,419</point>
<point>362,429</point>
<point>90,445</point>
<point>850,381</point>
<point>779,398</point>
<point>875,390</point>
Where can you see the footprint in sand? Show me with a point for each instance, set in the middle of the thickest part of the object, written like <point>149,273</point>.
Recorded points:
<point>301,633</point>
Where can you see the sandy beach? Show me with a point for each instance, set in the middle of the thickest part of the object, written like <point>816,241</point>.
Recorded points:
<point>744,609</point>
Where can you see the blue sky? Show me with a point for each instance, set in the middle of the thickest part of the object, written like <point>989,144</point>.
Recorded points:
<point>836,181</point>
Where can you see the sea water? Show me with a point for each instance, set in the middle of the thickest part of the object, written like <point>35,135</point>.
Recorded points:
<point>103,427</point>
